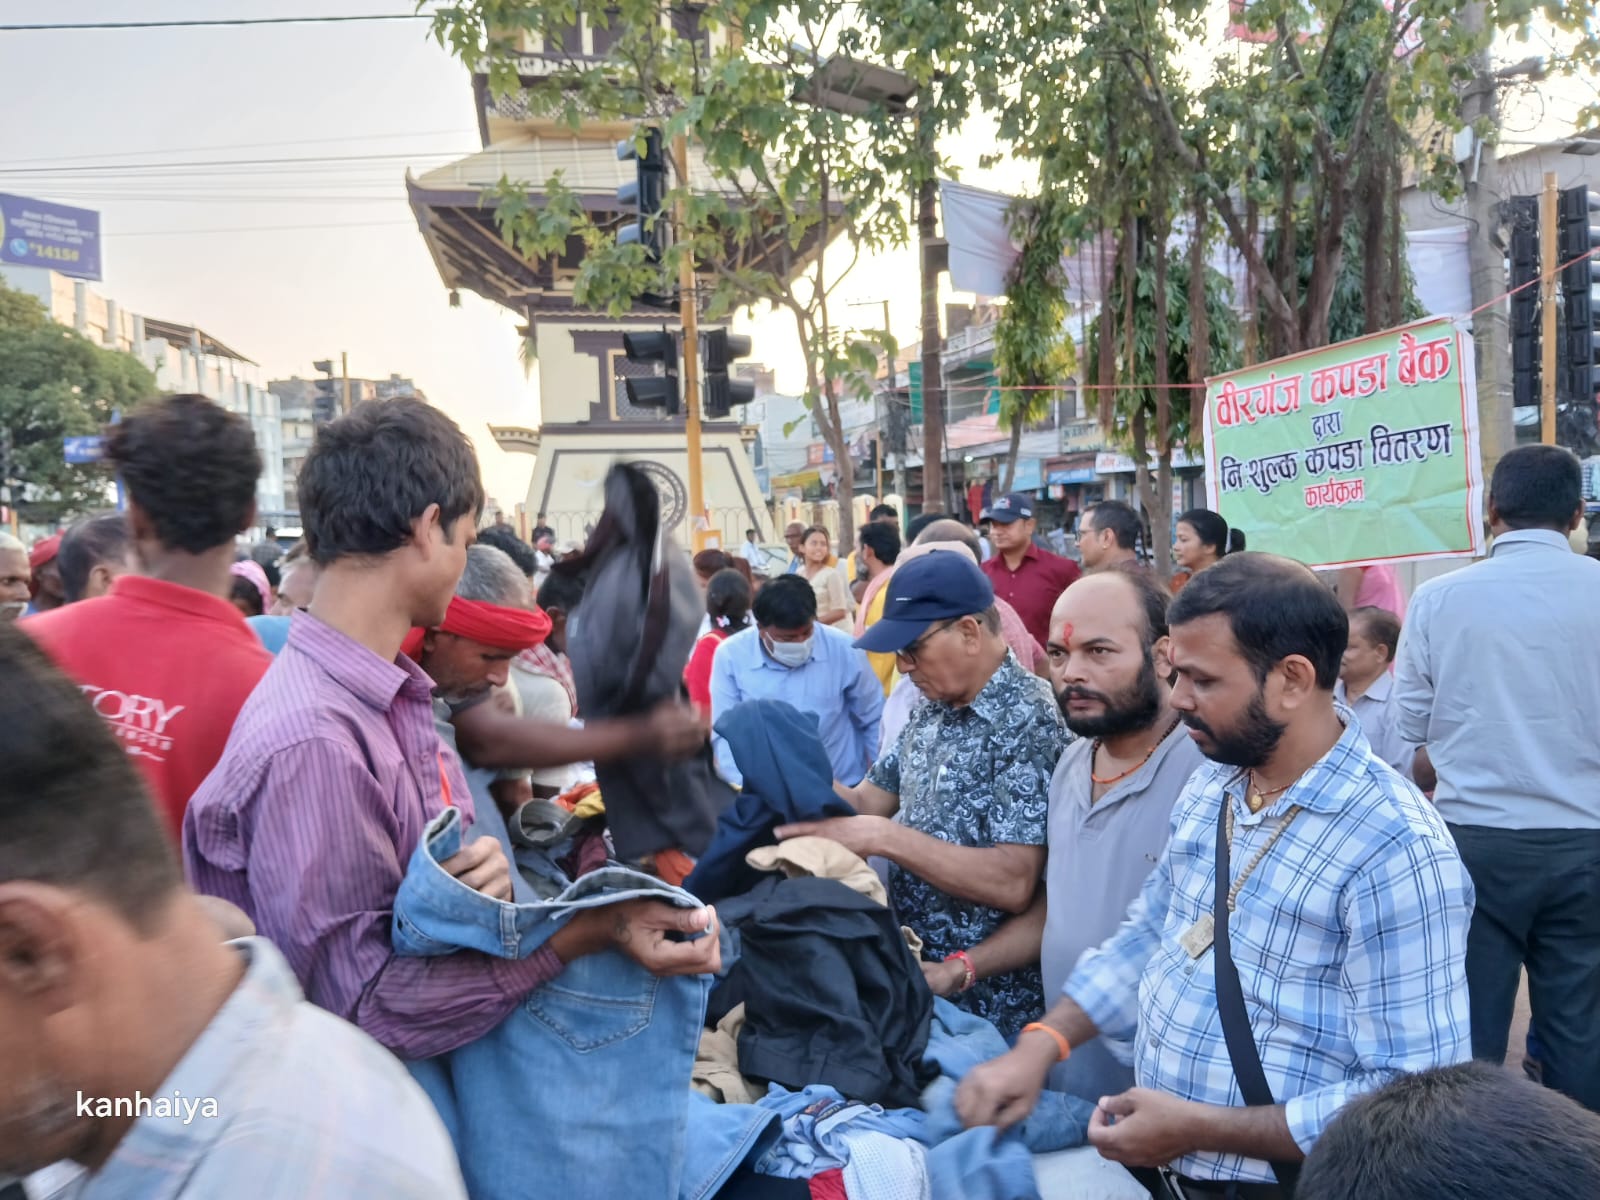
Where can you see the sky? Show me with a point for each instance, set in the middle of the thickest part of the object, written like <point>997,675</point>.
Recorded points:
<point>323,257</point>
<point>292,262</point>
<point>289,262</point>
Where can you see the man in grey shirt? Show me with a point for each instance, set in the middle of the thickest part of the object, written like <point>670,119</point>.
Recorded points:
<point>1112,793</point>
<point>1499,678</point>
<point>1107,649</point>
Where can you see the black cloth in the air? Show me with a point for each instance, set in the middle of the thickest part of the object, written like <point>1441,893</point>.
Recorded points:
<point>832,993</point>
<point>629,641</point>
<point>787,779</point>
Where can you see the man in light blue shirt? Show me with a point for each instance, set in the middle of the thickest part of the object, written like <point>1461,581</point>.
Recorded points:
<point>1366,684</point>
<point>1499,678</point>
<point>788,656</point>
<point>1346,919</point>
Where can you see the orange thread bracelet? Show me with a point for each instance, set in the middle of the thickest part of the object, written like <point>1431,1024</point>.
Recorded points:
<point>965,960</point>
<point>1063,1047</point>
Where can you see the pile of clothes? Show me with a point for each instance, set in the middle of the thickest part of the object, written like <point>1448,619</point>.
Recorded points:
<point>822,1018</point>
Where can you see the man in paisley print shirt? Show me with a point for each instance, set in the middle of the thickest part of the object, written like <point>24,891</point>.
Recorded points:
<point>958,804</point>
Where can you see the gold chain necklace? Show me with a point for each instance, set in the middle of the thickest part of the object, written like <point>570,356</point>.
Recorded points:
<point>1257,799</point>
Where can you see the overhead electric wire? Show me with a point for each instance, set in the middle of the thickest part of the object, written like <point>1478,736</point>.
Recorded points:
<point>268,228</point>
<point>231,162</point>
<point>352,137</point>
<point>215,22</point>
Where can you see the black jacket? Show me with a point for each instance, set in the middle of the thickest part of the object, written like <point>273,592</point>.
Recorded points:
<point>832,993</point>
<point>629,641</point>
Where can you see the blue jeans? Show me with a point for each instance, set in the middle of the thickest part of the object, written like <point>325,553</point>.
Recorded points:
<point>583,1092</point>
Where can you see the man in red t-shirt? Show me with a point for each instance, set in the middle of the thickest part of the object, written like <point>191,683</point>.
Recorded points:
<point>164,658</point>
<point>1031,580</point>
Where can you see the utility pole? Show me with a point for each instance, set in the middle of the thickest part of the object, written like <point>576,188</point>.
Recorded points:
<point>689,318</point>
<point>1548,283</point>
<point>5,480</point>
<point>897,425</point>
<point>344,370</point>
<point>1491,331</point>
<point>933,498</point>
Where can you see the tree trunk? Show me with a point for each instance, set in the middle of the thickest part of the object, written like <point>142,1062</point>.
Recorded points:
<point>1286,270</point>
<point>1161,517</point>
<point>1106,342</point>
<point>1157,508</point>
<point>1491,331</point>
<point>1328,258</point>
<point>1161,510</point>
<point>1252,289</point>
<point>1199,319</point>
<point>1011,454</point>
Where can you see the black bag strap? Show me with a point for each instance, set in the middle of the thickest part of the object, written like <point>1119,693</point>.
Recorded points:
<point>1230,1005</point>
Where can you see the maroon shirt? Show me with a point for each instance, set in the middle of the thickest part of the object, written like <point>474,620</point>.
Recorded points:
<point>1034,587</point>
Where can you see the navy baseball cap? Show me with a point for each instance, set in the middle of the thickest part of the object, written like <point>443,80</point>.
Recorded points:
<point>931,588</point>
<point>1009,508</point>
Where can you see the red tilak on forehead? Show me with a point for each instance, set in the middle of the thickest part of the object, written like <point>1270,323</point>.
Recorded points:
<point>1063,635</point>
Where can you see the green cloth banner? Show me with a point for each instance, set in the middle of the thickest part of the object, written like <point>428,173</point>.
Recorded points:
<point>1364,452</point>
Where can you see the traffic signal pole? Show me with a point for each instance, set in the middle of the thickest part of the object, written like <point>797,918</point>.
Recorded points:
<point>689,317</point>
<point>1549,282</point>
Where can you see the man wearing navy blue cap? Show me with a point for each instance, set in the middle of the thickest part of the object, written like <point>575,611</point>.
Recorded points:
<point>1031,580</point>
<point>958,804</point>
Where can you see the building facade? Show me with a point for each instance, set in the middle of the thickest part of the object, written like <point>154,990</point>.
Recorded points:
<point>587,422</point>
<point>182,358</point>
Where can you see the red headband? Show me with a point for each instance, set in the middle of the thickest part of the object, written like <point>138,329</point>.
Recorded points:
<point>491,624</point>
<point>43,551</point>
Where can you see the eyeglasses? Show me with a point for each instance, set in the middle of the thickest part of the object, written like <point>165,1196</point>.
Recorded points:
<point>910,653</point>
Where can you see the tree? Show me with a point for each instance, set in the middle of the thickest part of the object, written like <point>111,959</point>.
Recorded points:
<point>1293,138</point>
<point>778,178</point>
<point>54,384</point>
<point>1033,354</point>
<point>1143,418</point>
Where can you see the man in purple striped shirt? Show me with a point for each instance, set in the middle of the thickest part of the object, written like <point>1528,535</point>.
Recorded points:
<point>334,766</point>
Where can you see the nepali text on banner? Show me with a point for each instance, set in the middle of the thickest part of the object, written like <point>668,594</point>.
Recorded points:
<point>1358,453</point>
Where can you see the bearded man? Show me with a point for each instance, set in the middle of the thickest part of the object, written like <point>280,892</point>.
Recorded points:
<point>1112,794</point>
<point>1301,940</point>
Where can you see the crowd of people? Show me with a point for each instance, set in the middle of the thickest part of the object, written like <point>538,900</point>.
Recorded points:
<point>1249,864</point>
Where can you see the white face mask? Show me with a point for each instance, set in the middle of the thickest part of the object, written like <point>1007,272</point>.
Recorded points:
<point>13,610</point>
<point>788,654</point>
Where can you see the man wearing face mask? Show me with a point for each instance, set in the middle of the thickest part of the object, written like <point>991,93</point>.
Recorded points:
<point>1302,940</point>
<point>788,656</point>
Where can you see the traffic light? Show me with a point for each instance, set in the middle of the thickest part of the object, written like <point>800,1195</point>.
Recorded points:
<point>326,406</point>
<point>1576,240</point>
<point>1524,215</point>
<point>645,195</point>
<point>659,389</point>
<point>718,349</point>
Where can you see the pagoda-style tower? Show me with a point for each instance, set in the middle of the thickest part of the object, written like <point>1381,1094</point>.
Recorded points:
<point>587,422</point>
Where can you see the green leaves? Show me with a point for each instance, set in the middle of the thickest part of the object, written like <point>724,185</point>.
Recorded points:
<point>55,384</point>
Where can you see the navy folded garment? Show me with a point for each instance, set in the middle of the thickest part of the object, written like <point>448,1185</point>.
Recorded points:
<point>787,778</point>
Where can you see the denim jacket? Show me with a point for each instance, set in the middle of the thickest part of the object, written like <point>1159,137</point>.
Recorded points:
<point>582,1093</point>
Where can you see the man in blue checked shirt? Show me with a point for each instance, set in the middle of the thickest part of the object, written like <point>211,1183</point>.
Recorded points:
<point>1348,912</point>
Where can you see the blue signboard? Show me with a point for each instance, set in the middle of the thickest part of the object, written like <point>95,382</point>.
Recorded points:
<point>34,233</point>
<point>83,449</point>
<point>1028,476</point>
<point>1078,475</point>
